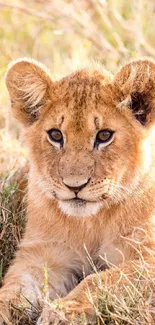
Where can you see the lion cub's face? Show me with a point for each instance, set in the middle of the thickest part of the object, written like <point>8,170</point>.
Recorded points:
<point>86,145</point>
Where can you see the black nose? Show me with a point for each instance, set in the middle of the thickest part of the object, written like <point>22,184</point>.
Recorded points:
<point>76,189</point>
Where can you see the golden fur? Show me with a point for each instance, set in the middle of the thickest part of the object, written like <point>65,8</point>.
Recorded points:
<point>116,212</point>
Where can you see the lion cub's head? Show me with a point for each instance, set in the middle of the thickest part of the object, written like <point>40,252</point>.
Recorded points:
<point>89,135</point>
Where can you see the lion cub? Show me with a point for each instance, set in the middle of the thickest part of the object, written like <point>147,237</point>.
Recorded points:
<point>91,192</point>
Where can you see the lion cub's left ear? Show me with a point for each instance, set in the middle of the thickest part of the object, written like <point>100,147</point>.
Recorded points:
<point>134,86</point>
<point>28,83</point>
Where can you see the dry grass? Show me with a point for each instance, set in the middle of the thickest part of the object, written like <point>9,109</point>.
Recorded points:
<point>130,304</point>
<point>64,35</point>
<point>12,219</point>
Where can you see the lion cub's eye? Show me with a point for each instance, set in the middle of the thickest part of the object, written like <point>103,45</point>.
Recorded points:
<point>56,136</point>
<point>104,137</point>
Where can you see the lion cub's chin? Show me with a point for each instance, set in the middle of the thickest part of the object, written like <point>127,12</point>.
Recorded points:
<point>79,208</point>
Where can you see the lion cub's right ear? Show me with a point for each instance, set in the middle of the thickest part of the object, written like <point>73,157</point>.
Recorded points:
<point>28,83</point>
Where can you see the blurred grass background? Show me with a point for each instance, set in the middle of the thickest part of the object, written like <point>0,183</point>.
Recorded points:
<point>65,35</point>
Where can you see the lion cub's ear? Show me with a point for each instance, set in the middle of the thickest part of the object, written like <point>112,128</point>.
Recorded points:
<point>134,85</point>
<point>28,84</point>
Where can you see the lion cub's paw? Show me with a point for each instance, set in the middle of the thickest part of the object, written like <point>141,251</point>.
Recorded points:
<point>4,320</point>
<point>1,321</point>
<point>54,316</point>
<point>4,315</point>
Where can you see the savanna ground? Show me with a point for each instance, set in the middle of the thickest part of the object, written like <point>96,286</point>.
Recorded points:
<point>66,35</point>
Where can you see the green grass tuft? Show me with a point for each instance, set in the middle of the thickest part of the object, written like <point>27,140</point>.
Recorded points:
<point>12,220</point>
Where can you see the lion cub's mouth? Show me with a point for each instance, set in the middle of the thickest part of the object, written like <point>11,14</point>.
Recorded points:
<point>79,201</point>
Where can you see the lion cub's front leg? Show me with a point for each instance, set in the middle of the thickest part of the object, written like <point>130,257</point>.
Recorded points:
<point>34,276</point>
<point>84,300</point>
<point>77,305</point>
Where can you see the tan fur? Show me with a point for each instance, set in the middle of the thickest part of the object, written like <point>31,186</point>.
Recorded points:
<point>117,217</point>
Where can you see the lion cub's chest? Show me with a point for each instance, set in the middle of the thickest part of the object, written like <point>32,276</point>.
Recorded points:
<point>102,247</point>
<point>98,256</point>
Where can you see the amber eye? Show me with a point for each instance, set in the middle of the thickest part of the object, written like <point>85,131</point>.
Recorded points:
<point>103,137</point>
<point>55,136</point>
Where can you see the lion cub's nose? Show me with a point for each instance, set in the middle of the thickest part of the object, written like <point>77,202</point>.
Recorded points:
<point>75,185</point>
